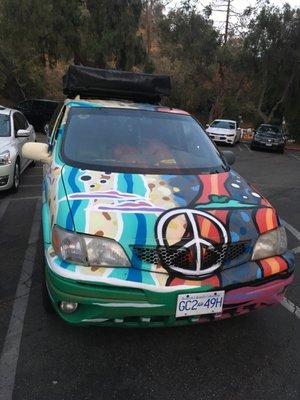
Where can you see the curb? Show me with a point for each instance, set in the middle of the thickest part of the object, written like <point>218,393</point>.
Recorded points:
<point>293,148</point>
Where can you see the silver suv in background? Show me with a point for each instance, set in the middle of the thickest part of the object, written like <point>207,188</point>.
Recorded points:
<point>224,131</point>
<point>14,132</point>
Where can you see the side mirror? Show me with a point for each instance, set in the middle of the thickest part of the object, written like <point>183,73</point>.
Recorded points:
<point>207,125</point>
<point>23,133</point>
<point>47,129</point>
<point>37,152</point>
<point>229,156</point>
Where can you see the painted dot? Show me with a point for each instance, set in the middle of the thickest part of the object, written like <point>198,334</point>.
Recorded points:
<point>235,237</point>
<point>166,198</point>
<point>238,181</point>
<point>92,186</point>
<point>255,194</point>
<point>162,183</point>
<point>235,185</point>
<point>245,197</point>
<point>243,230</point>
<point>176,189</point>
<point>103,181</point>
<point>86,178</point>
<point>245,216</point>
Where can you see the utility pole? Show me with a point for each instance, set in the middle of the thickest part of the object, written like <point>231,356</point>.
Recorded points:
<point>227,21</point>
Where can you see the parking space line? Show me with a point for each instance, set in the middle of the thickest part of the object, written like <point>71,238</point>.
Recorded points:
<point>291,229</point>
<point>296,250</point>
<point>11,348</point>
<point>240,147</point>
<point>25,185</point>
<point>294,155</point>
<point>247,147</point>
<point>3,207</point>
<point>291,307</point>
<point>27,198</point>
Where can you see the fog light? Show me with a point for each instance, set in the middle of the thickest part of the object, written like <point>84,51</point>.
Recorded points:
<point>3,180</point>
<point>68,307</point>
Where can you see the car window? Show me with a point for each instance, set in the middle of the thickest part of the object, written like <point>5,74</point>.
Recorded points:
<point>138,141</point>
<point>4,125</point>
<point>223,125</point>
<point>19,122</point>
<point>26,105</point>
<point>23,121</point>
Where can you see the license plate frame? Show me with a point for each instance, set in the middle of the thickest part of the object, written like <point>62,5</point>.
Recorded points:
<point>200,303</point>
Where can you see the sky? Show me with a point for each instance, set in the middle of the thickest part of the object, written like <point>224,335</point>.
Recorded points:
<point>237,5</point>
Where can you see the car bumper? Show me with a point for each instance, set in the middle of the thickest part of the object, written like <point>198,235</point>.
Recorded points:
<point>6,176</point>
<point>273,146</point>
<point>222,138</point>
<point>106,304</point>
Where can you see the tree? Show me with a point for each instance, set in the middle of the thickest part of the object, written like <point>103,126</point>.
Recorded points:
<point>272,59</point>
<point>188,44</point>
<point>35,36</point>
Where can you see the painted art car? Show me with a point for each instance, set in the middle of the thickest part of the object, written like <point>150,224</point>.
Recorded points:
<point>145,223</point>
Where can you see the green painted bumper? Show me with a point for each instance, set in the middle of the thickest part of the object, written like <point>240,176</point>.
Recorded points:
<point>111,305</point>
<point>106,305</point>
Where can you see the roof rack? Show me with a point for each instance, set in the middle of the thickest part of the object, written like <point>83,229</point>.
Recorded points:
<point>87,82</point>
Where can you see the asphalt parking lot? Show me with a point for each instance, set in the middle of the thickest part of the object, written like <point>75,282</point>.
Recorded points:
<point>252,357</point>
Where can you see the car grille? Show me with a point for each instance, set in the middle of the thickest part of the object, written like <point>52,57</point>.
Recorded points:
<point>184,259</point>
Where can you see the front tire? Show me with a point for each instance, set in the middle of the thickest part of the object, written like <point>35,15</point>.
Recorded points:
<point>16,177</point>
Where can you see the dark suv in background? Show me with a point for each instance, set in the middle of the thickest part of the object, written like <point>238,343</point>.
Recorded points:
<point>37,111</point>
<point>269,137</point>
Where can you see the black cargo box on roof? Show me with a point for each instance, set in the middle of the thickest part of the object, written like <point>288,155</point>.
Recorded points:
<point>90,82</point>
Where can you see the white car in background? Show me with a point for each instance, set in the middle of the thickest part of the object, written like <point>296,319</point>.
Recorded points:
<point>14,132</point>
<point>224,131</point>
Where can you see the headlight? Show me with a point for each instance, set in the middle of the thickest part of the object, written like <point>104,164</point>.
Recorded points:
<point>272,243</point>
<point>5,158</point>
<point>88,250</point>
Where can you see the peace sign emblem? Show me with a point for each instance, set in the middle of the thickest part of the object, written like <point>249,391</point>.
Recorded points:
<point>182,245</point>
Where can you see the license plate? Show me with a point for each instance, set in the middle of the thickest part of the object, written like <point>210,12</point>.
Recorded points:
<point>268,144</point>
<point>199,303</point>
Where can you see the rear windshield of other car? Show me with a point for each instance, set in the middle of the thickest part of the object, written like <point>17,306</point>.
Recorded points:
<point>138,141</point>
<point>223,125</point>
<point>4,126</point>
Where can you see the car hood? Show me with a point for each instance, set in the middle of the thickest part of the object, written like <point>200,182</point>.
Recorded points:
<point>163,210</point>
<point>5,142</point>
<point>220,131</point>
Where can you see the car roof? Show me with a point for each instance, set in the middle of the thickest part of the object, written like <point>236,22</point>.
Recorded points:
<point>225,120</point>
<point>41,100</point>
<point>6,111</point>
<point>269,125</point>
<point>124,104</point>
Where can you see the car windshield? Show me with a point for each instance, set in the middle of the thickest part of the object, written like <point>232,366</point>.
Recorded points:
<point>138,141</point>
<point>269,130</point>
<point>4,126</point>
<point>223,125</point>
